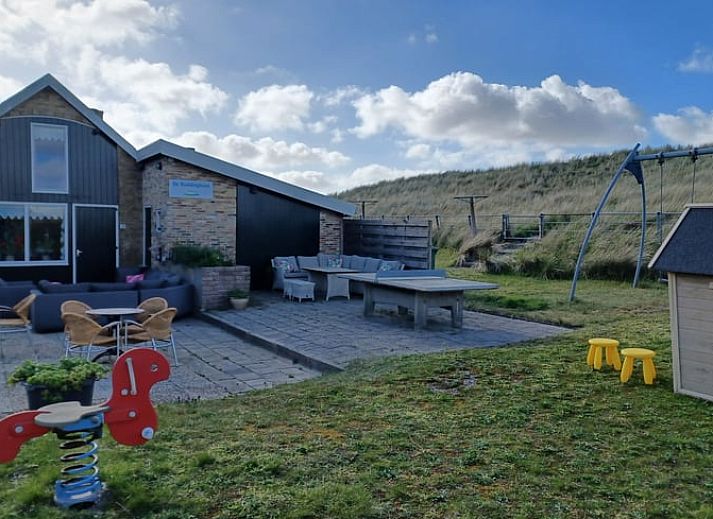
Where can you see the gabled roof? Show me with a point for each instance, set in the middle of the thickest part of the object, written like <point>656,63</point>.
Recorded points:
<point>49,81</point>
<point>244,175</point>
<point>688,248</point>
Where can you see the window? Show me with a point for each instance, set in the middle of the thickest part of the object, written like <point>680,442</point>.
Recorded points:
<point>49,159</point>
<point>44,224</point>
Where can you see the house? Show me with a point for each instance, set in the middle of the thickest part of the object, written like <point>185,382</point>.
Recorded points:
<point>687,256</point>
<point>77,200</point>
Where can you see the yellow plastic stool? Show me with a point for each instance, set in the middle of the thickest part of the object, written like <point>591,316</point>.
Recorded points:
<point>646,357</point>
<point>594,356</point>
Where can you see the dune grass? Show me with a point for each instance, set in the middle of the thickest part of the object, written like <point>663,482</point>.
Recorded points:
<point>522,431</point>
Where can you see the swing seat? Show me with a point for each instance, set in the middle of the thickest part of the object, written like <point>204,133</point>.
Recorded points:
<point>62,414</point>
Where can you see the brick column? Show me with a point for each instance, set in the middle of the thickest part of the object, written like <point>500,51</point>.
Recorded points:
<point>330,232</point>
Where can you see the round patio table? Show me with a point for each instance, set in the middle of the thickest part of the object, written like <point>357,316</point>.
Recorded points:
<point>121,313</point>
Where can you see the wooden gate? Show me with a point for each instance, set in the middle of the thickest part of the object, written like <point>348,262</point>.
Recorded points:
<point>406,240</point>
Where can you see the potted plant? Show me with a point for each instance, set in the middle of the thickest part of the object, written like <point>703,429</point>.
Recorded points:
<point>238,299</point>
<point>68,380</point>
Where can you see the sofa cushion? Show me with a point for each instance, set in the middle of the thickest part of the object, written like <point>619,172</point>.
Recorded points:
<point>171,280</point>
<point>372,265</point>
<point>346,261</point>
<point>112,287</point>
<point>153,274</point>
<point>389,265</point>
<point>307,261</point>
<point>329,260</point>
<point>149,283</point>
<point>302,275</point>
<point>2,282</point>
<point>286,263</point>
<point>357,263</point>
<point>133,278</point>
<point>59,288</point>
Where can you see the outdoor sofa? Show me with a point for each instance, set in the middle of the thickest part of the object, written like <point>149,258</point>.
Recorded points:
<point>11,292</point>
<point>291,267</point>
<point>46,315</point>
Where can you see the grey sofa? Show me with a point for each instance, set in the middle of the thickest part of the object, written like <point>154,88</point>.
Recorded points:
<point>290,267</point>
<point>11,292</point>
<point>45,313</point>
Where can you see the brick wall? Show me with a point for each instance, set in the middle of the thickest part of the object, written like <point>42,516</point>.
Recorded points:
<point>130,211</point>
<point>330,232</point>
<point>47,102</point>
<point>209,223</point>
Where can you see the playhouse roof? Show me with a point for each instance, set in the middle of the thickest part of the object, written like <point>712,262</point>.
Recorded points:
<point>688,248</point>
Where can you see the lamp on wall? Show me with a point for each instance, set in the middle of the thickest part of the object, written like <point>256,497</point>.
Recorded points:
<point>158,226</point>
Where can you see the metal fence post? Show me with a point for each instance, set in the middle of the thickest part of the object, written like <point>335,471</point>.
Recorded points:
<point>541,225</point>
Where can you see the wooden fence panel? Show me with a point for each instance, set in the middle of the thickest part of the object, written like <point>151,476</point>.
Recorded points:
<point>409,242</point>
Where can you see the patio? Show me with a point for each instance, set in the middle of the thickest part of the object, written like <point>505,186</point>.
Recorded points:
<point>330,335</point>
<point>214,364</point>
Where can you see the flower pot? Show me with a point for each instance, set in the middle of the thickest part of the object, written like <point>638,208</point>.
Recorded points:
<point>239,304</point>
<point>37,395</point>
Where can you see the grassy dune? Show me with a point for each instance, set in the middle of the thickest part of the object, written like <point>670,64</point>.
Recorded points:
<point>573,186</point>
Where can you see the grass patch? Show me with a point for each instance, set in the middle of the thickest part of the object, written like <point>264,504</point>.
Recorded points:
<point>525,431</point>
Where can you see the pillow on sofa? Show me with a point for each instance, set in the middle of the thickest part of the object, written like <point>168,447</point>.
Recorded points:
<point>389,265</point>
<point>2,282</point>
<point>372,264</point>
<point>112,287</point>
<point>153,274</point>
<point>59,288</point>
<point>146,284</point>
<point>307,261</point>
<point>346,261</point>
<point>134,278</point>
<point>357,263</point>
<point>329,260</point>
<point>286,263</point>
<point>170,280</point>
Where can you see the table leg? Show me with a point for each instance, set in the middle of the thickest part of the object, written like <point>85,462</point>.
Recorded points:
<point>368,301</point>
<point>420,311</point>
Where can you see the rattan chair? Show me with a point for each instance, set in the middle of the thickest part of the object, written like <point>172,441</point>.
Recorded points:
<point>156,330</point>
<point>83,334</point>
<point>17,318</point>
<point>75,307</point>
<point>150,306</point>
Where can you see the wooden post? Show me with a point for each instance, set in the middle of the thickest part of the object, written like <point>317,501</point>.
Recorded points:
<point>541,226</point>
<point>471,218</point>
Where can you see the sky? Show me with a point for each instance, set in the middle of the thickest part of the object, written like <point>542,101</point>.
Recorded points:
<point>332,94</point>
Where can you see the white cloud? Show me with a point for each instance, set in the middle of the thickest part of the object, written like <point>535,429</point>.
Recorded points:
<point>691,125</point>
<point>8,87</point>
<point>461,107</point>
<point>36,28</point>
<point>265,154</point>
<point>701,60</point>
<point>342,94</point>
<point>374,173</point>
<point>418,151</point>
<point>275,107</point>
<point>412,39</point>
<point>431,38</point>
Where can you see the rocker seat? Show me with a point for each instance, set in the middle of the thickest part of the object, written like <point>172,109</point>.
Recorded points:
<point>62,414</point>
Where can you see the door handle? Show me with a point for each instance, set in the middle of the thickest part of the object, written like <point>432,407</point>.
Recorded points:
<point>78,253</point>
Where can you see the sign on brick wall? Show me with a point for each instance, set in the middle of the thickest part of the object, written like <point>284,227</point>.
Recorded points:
<point>201,189</point>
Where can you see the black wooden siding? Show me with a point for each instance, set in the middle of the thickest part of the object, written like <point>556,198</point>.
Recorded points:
<point>93,164</point>
<point>270,225</point>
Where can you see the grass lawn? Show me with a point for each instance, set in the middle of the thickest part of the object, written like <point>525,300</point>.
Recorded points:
<point>525,431</point>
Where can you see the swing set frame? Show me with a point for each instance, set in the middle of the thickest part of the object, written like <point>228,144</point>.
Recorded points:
<point>632,164</point>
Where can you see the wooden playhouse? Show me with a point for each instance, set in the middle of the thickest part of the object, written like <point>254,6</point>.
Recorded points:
<point>687,256</point>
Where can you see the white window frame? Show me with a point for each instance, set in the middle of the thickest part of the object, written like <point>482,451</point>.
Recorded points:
<point>38,263</point>
<point>66,156</point>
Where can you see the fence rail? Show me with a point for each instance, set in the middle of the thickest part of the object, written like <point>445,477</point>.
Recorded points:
<point>535,226</point>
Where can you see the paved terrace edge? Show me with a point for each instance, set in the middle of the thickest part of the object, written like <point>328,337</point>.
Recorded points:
<point>277,348</point>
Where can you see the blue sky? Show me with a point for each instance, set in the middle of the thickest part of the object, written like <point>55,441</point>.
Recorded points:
<point>333,94</point>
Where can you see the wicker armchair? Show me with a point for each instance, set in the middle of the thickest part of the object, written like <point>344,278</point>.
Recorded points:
<point>150,306</point>
<point>83,334</point>
<point>156,330</point>
<point>17,318</point>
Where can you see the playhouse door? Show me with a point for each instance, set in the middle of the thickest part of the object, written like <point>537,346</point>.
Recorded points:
<point>96,247</point>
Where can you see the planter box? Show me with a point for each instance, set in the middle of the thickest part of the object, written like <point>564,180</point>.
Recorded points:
<point>36,398</point>
<point>212,284</point>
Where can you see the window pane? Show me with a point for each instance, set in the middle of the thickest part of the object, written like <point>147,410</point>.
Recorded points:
<point>12,233</point>
<point>46,233</point>
<point>49,158</point>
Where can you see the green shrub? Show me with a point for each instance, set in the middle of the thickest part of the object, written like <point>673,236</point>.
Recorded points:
<point>57,378</point>
<point>238,294</point>
<point>198,256</point>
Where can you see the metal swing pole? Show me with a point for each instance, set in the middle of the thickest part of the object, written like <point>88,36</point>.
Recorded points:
<point>642,244</point>
<point>595,218</point>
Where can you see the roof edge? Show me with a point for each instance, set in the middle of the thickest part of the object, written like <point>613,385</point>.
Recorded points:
<point>674,229</point>
<point>49,81</point>
<point>222,167</point>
